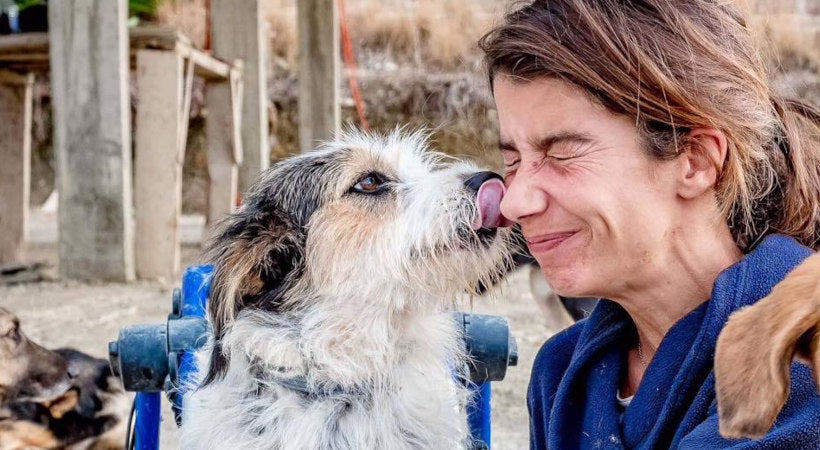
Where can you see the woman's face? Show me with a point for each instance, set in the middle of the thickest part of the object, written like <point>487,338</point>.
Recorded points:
<point>596,209</point>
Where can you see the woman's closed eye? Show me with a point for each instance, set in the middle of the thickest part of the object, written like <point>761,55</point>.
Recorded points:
<point>568,150</point>
<point>511,159</point>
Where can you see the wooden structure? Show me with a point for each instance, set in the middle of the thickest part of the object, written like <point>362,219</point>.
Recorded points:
<point>88,59</point>
<point>15,170</point>
<point>89,69</point>
<point>237,33</point>
<point>165,74</point>
<point>319,111</point>
<point>92,134</point>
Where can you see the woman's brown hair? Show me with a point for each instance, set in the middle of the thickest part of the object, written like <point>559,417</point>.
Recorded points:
<point>675,66</point>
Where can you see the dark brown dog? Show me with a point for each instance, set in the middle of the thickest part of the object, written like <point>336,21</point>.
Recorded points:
<point>56,399</point>
<point>756,348</point>
<point>27,370</point>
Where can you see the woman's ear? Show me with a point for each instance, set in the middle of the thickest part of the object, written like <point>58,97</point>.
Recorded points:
<point>701,161</point>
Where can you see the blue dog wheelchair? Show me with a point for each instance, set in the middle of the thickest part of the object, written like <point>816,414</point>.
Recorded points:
<point>151,359</point>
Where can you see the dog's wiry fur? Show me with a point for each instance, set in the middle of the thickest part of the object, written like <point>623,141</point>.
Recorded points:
<point>353,293</point>
<point>755,350</point>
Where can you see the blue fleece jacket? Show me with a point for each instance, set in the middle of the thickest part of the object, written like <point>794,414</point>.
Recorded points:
<point>576,374</point>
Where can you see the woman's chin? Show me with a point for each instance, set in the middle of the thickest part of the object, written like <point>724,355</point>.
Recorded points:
<point>565,281</point>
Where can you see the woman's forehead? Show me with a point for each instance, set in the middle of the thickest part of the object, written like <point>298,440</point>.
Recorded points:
<point>549,110</point>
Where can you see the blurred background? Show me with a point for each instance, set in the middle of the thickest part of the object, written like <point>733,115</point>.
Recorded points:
<point>418,64</point>
<point>415,62</point>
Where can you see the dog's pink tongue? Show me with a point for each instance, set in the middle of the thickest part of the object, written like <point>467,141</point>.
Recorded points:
<point>488,202</point>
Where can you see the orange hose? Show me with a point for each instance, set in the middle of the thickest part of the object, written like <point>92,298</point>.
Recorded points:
<point>350,64</point>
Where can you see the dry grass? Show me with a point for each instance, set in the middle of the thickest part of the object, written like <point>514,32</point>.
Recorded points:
<point>790,45</point>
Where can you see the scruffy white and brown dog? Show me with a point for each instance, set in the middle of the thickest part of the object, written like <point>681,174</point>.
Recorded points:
<point>331,301</point>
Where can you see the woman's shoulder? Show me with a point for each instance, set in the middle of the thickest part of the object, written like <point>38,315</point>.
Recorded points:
<point>554,357</point>
<point>562,344</point>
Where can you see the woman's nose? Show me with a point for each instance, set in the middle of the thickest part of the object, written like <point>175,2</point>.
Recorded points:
<point>523,198</point>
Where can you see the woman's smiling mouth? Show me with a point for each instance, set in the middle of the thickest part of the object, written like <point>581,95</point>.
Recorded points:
<point>546,242</point>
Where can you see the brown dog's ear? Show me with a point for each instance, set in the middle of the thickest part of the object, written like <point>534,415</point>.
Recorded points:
<point>756,347</point>
<point>256,257</point>
<point>8,323</point>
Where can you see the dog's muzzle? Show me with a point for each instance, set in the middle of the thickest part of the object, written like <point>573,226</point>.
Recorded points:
<point>489,189</point>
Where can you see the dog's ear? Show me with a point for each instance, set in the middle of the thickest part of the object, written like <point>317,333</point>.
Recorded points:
<point>756,348</point>
<point>9,328</point>
<point>257,256</point>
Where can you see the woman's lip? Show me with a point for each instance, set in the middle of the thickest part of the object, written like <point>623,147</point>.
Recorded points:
<point>549,237</point>
<point>545,242</point>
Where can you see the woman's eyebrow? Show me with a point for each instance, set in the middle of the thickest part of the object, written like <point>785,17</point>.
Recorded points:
<point>545,143</point>
<point>506,145</point>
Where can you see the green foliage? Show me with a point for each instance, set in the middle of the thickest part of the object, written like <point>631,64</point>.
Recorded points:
<point>23,4</point>
<point>143,8</point>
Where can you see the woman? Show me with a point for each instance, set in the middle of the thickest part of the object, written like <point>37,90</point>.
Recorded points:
<point>649,163</point>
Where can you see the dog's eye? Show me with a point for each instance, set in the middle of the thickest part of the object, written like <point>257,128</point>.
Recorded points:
<point>372,183</point>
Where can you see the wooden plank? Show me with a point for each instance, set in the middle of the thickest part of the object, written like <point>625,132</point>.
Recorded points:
<point>237,33</point>
<point>24,43</point>
<point>15,79</point>
<point>207,66</point>
<point>222,166</point>
<point>319,110</point>
<point>156,37</point>
<point>158,164</point>
<point>185,111</point>
<point>89,73</point>
<point>237,94</point>
<point>151,36</point>
<point>15,171</point>
<point>30,50</point>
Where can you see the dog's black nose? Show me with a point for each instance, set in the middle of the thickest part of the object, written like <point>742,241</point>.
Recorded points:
<point>477,179</point>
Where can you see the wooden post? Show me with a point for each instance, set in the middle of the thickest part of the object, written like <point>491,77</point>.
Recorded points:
<point>223,158</point>
<point>237,32</point>
<point>160,135</point>
<point>15,170</point>
<point>319,110</point>
<point>92,137</point>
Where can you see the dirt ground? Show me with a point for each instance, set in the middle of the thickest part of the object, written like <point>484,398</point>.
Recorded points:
<point>88,315</point>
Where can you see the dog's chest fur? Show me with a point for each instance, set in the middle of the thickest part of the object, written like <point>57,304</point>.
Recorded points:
<point>410,400</point>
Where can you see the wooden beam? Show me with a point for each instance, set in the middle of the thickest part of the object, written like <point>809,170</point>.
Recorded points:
<point>237,95</point>
<point>156,37</point>
<point>237,33</point>
<point>19,50</point>
<point>222,165</point>
<point>206,65</point>
<point>319,110</point>
<point>92,139</point>
<point>8,77</point>
<point>15,171</point>
<point>160,135</point>
<point>24,43</point>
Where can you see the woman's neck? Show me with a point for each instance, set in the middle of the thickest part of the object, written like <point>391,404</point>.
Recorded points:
<point>678,285</point>
<point>671,289</point>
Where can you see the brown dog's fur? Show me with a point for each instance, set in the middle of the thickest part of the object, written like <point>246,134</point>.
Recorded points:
<point>756,348</point>
<point>55,399</point>
<point>27,370</point>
